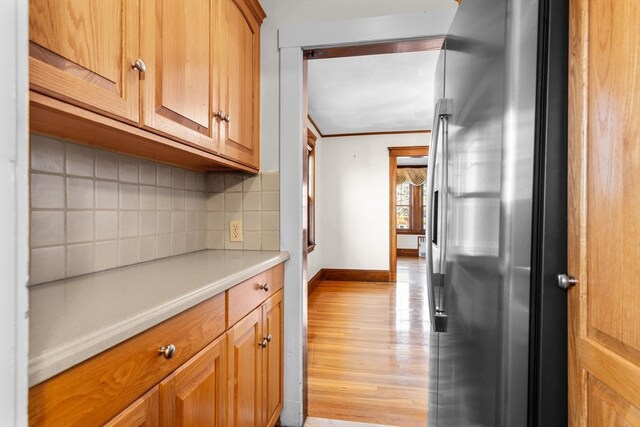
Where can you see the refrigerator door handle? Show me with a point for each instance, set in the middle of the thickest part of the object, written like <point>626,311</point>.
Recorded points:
<point>438,316</point>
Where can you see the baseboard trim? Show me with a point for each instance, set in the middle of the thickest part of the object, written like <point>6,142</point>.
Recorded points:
<point>315,281</point>
<point>407,252</point>
<point>351,275</point>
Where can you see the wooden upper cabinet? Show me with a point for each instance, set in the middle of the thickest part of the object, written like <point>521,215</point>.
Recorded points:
<point>194,395</point>
<point>239,80</point>
<point>81,52</point>
<point>177,47</point>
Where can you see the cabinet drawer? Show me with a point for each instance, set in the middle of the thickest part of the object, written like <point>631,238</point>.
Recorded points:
<point>96,390</point>
<point>246,296</point>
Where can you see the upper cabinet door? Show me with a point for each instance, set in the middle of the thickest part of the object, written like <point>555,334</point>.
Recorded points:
<point>240,83</point>
<point>81,52</point>
<point>177,47</point>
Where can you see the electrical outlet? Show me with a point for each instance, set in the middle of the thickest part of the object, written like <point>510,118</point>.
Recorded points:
<point>235,231</point>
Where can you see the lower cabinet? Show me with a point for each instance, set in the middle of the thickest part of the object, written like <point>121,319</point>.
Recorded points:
<point>141,413</point>
<point>255,350</point>
<point>200,368</point>
<point>194,394</point>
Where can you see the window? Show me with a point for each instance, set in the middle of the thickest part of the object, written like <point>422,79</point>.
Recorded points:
<point>311,191</point>
<point>410,209</point>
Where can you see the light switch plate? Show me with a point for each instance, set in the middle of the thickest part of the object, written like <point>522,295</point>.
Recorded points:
<point>235,231</point>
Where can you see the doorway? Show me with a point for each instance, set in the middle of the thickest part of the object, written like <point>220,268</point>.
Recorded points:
<point>408,219</point>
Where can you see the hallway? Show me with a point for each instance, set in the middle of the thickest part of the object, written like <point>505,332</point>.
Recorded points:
<point>368,349</point>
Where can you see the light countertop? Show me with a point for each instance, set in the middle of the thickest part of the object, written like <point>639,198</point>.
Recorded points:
<point>74,319</point>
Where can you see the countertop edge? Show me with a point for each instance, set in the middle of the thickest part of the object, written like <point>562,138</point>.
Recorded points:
<point>50,363</point>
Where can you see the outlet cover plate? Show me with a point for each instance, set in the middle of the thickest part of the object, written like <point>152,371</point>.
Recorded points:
<point>235,231</point>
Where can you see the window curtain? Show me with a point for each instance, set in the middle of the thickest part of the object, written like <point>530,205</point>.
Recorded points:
<point>414,176</point>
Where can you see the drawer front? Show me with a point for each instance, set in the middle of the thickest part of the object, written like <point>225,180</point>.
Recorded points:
<point>246,296</point>
<point>98,389</point>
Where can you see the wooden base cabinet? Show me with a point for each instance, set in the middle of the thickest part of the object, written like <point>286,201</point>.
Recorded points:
<point>194,395</point>
<point>141,413</point>
<point>255,357</point>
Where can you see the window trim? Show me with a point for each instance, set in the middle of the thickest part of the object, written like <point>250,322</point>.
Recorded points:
<point>416,214</point>
<point>311,190</point>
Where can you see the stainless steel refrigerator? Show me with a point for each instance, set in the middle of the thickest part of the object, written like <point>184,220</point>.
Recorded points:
<point>496,219</point>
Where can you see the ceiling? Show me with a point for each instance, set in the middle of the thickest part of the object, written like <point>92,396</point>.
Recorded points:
<point>375,93</point>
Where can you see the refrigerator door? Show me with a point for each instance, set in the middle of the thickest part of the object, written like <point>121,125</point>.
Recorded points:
<point>488,179</point>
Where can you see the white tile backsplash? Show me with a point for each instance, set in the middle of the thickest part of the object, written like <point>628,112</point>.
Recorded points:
<point>93,210</point>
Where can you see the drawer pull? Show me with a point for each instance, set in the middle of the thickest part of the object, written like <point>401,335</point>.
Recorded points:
<point>269,338</point>
<point>264,287</point>
<point>264,343</point>
<point>167,351</point>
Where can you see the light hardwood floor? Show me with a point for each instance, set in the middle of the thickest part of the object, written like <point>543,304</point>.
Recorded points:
<point>368,349</point>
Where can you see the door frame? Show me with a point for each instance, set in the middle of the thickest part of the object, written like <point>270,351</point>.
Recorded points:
<point>293,123</point>
<point>394,153</point>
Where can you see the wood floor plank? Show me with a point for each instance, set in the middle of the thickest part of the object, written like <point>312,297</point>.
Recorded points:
<point>368,349</point>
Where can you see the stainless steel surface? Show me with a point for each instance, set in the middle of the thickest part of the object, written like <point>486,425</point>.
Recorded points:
<point>565,282</point>
<point>167,351</point>
<point>480,370</point>
<point>139,65</point>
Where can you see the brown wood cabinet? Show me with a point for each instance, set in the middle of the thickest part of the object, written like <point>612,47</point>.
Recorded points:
<point>141,413</point>
<point>196,78</point>
<point>81,52</point>
<point>239,81</point>
<point>212,379</point>
<point>194,395</point>
<point>255,356</point>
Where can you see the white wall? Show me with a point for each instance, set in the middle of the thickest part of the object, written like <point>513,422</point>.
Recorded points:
<point>282,13</point>
<point>14,214</point>
<point>352,206</point>
<point>314,259</point>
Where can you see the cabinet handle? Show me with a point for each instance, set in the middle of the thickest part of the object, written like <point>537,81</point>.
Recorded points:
<point>219,115</point>
<point>269,338</point>
<point>227,118</point>
<point>167,351</point>
<point>139,65</point>
<point>264,287</point>
<point>264,343</point>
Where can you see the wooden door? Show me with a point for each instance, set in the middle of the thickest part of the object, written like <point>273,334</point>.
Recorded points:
<point>177,46</point>
<point>141,413</point>
<point>245,371</point>
<point>240,83</point>
<point>81,52</point>
<point>604,213</point>
<point>273,393</point>
<point>194,395</point>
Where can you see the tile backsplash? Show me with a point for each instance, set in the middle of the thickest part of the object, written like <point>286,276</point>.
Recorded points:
<point>92,210</point>
<point>254,199</point>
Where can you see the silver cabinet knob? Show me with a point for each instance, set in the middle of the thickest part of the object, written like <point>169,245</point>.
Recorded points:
<point>566,281</point>
<point>263,343</point>
<point>219,115</point>
<point>264,287</point>
<point>167,351</point>
<point>139,65</point>
<point>227,118</point>
<point>268,338</point>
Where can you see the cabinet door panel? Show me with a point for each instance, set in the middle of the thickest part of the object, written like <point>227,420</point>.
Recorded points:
<point>194,394</point>
<point>141,413</point>
<point>177,47</point>
<point>245,371</point>
<point>81,52</point>
<point>273,310</point>
<point>240,84</point>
